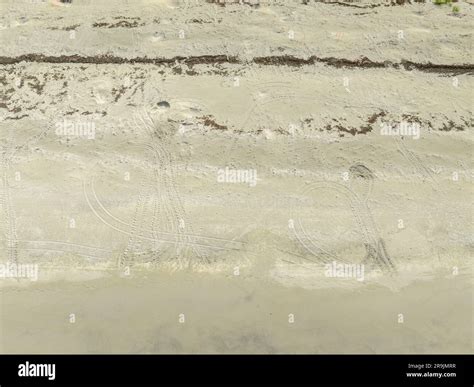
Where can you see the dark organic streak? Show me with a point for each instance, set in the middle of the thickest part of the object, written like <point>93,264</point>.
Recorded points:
<point>347,3</point>
<point>365,62</point>
<point>283,60</point>
<point>109,59</point>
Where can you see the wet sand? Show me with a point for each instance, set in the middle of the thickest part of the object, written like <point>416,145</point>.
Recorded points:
<point>232,314</point>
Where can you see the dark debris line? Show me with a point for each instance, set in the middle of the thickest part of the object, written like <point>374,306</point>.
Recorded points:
<point>283,60</point>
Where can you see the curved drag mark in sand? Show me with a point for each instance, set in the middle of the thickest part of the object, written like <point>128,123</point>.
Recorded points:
<point>5,199</point>
<point>376,252</point>
<point>9,214</point>
<point>414,160</point>
<point>171,199</point>
<point>328,257</point>
<point>60,246</point>
<point>165,176</point>
<point>324,255</point>
<point>125,232</point>
<point>437,187</point>
<point>10,218</point>
<point>151,231</point>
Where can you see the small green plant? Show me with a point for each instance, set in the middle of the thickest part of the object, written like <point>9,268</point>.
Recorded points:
<point>440,2</point>
<point>456,9</point>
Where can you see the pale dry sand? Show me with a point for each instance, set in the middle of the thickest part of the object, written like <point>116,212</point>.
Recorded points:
<point>177,91</point>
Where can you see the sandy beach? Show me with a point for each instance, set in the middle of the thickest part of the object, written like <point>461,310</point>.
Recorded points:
<point>274,176</point>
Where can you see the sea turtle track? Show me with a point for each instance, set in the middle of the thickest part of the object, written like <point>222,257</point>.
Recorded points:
<point>10,218</point>
<point>375,247</point>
